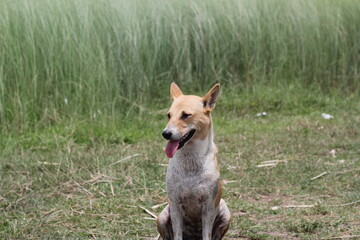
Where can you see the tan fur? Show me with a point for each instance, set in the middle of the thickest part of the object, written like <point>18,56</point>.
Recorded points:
<point>196,210</point>
<point>218,195</point>
<point>175,91</point>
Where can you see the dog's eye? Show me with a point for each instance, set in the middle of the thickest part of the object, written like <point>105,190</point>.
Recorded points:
<point>185,115</point>
<point>168,115</point>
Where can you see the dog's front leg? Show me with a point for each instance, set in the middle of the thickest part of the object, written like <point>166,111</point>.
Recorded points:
<point>208,218</point>
<point>177,220</point>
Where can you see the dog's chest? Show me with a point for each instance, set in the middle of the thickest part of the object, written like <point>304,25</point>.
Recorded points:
<point>189,196</point>
<point>193,190</point>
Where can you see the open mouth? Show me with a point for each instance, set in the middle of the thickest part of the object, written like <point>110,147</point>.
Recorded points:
<point>186,138</point>
<point>173,146</point>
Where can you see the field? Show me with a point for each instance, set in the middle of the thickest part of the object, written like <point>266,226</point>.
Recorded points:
<point>57,188</point>
<point>84,88</point>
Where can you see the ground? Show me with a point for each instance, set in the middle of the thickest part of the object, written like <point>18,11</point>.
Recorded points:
<point>285,176</point>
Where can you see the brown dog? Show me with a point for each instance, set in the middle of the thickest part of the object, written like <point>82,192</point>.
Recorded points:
<point>196,210</point>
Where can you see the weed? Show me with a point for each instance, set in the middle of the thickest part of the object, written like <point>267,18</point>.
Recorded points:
<point>303,226</point>
<point>87,59</point>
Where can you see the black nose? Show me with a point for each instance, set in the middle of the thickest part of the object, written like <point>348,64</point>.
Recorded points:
<point>167,134</point>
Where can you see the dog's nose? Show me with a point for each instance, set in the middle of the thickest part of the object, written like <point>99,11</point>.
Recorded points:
<point>167,134</point>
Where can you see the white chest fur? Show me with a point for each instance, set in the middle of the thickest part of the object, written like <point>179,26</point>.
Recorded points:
<point>192,176</point>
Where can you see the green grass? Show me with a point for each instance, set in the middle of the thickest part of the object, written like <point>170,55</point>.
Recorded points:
<point>61,182</point>
<point>85,84</point>
<point>73,59</point>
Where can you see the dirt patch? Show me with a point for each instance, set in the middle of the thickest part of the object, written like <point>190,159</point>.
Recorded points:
<point>262,198</point>
<point>280,235</point>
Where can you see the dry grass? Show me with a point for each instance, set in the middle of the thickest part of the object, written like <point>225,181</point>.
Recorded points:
<point>105,191</point>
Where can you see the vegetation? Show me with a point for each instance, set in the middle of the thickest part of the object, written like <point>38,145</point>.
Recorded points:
<point>78,58</point>
<point>84,88</point>
<point>79,182</point>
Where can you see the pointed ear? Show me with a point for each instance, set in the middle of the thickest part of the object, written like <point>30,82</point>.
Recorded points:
<point>175,91</point>
<point>210,98</point>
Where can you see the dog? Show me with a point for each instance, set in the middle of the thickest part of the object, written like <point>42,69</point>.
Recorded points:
<point>196,209</point>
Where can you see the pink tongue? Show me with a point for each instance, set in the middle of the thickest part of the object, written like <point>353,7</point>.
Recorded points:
<point>171,148</point>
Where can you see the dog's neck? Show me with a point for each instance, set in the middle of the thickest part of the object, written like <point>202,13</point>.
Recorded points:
<point>195,154</point>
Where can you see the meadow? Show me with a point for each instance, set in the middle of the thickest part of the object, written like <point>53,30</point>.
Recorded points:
<point>84,88</point>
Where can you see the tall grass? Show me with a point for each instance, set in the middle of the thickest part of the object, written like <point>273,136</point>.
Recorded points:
<point>87,57</point>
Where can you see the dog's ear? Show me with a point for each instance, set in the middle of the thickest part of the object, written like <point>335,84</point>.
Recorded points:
<point>210,98</point>
<point>175,91</point>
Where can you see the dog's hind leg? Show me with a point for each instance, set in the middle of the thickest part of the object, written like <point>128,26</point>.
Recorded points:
<point>222,221</point>
<point>164,224</point>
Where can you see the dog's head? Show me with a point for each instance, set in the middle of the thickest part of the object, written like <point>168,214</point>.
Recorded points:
<point>189,118</point>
